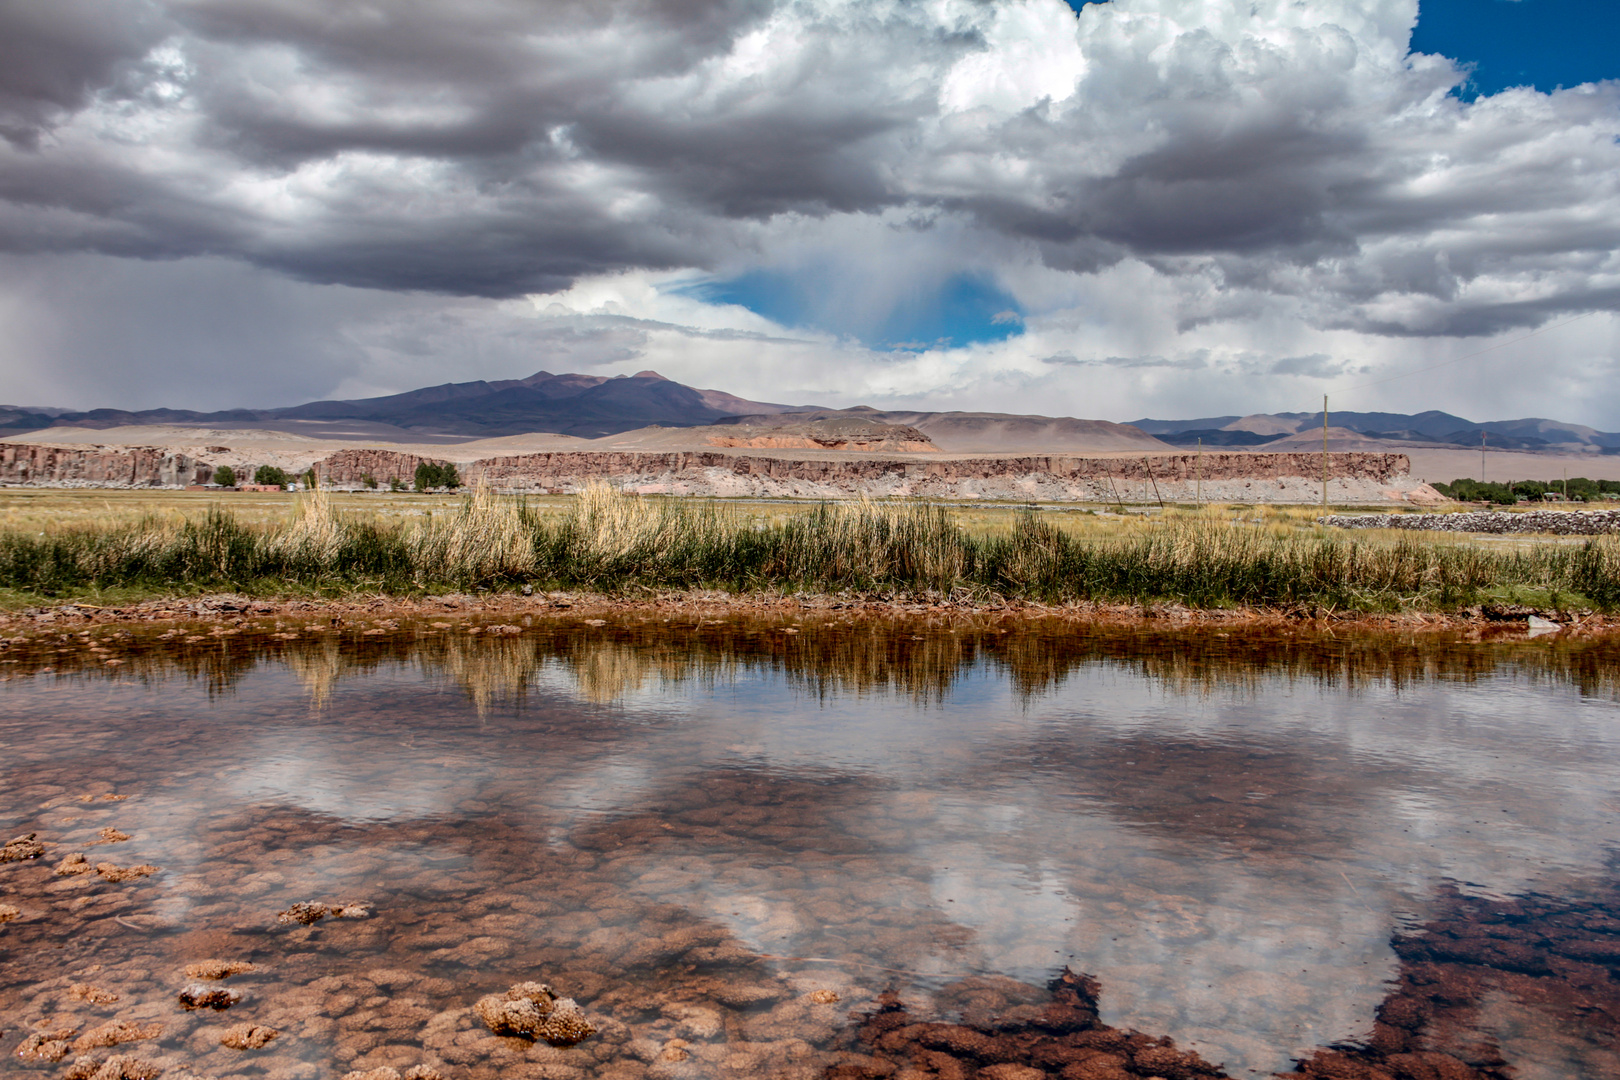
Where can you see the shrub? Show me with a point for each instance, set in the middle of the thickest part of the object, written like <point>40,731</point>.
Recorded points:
<point>225,476</point>
<point>269,474</point>
<point>368,481</point>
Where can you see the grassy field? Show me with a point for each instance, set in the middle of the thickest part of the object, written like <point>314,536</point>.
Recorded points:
<point>118,546</point>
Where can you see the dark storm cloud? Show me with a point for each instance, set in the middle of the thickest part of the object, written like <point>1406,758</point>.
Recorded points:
<point>55,55</point>
<point>1277,153</point>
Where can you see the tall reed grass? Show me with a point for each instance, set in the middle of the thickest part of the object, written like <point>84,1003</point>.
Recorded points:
<point>613,542</point>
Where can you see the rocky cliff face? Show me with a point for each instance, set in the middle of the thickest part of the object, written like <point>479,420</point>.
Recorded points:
<point>1217,477</point>
<point>1166,477</point>
<point>348,468</point>
<point>1168,467</point>
<point>99,466</point>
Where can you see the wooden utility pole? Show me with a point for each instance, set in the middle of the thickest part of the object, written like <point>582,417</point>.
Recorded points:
<point>1324,453</point>
<point>1117,500</point>
<point>1148,464</point>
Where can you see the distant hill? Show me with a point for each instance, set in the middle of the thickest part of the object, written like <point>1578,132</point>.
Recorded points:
<point>591,406</point>
<point>584,405</point>
<point>1432,428</point>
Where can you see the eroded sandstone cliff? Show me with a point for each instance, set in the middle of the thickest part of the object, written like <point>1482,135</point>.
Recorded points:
<point>1214,477</point>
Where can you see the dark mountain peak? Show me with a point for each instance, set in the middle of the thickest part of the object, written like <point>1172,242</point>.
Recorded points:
<point>649,374</point>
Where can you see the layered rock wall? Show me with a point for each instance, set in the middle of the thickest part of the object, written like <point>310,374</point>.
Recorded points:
<point>99,466</point>
<point>1168,477</point>
<point>349,468</point>
<point>1214,477</point>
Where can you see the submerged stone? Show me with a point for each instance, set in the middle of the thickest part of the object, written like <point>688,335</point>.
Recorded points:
<point>217,969</point>
<point>307,912</point>
<point>247,1036</point>
<point>116,1067</point>
<point>74,864</point>
<point>114,1032</point>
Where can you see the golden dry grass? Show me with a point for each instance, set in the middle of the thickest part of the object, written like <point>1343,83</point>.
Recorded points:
<point>604,538</point>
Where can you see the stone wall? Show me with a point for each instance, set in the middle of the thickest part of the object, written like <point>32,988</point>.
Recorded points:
<point>1565,522</point>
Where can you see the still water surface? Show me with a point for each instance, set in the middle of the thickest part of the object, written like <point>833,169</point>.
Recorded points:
<point>726,840</point>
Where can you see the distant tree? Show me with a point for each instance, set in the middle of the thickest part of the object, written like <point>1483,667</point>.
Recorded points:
<point>225,476</point>
<point>368,481</point>
<point>269,474</point>
<point>395,484</point>
<point>310,482</point>
<point>436,474</point>
<point>1529,489</point>
<point>1467,490</point>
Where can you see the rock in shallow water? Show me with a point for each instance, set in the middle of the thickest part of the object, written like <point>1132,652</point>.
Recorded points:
<point>21,848</point>
<point>116,1067</point>
<point>529,1010</point>
<point>114,1032</point>
<point>73,864</point>
<point>217,969</point>
<point>307,912</point>
<point>47,1045</point>
<point>198,996</point>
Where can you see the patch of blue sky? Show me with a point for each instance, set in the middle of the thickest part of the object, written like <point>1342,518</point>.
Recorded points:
<point>960,309</point>
<point>1541,43</point>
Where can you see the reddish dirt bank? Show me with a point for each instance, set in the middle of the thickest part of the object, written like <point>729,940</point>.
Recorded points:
<point>1487,621</point>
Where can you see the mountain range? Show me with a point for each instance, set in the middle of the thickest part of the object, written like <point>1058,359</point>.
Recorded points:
<point>1432,428</point>
<point>594,406</point>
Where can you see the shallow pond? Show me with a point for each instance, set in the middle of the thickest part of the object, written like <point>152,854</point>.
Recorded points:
<point>821,848</point>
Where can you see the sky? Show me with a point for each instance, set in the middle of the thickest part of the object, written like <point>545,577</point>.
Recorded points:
<point>1166,208</point>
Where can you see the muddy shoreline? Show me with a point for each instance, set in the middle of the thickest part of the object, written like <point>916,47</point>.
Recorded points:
<point>235,611</point>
